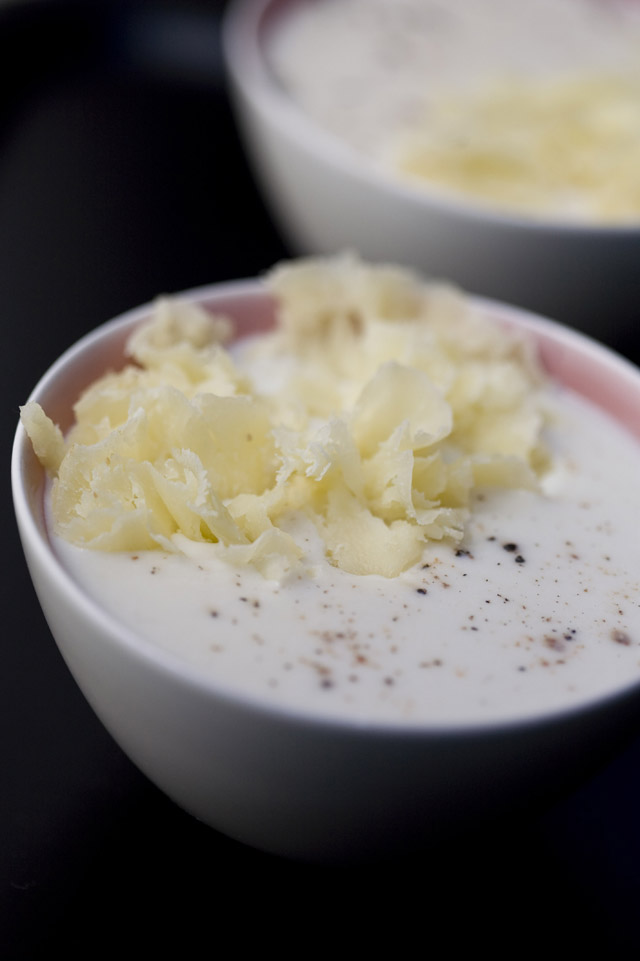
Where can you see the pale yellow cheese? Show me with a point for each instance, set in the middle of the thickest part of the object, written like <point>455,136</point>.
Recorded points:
<point>566,148</point>
<point>383,403</point>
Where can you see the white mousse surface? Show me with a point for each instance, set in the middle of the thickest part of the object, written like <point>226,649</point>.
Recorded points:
<point>536,610</point>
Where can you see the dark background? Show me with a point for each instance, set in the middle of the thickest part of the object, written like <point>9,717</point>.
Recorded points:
<point>121,176</point>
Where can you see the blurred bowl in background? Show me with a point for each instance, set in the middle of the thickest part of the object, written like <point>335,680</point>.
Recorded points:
<point>325,196</point>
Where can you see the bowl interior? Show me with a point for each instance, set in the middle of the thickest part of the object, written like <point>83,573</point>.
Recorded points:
<point>570,358</point>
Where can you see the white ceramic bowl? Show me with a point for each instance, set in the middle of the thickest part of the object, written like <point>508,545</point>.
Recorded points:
<point>325,197</point>
<point>288,781</point>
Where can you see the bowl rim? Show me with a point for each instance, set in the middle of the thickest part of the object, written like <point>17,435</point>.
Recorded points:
<point>542,330</point>
<point>243,24</point>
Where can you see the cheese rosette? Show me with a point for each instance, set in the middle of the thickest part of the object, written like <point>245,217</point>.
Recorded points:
<point>375,409</point>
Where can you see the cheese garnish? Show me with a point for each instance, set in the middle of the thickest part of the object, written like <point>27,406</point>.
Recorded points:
<point>375,408</point>
<point>562,148</point>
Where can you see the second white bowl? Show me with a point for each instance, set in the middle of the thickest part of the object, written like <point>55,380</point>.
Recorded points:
<point>325,198</point>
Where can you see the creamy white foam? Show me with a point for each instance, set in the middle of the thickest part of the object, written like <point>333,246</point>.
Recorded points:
<point>538,609</point>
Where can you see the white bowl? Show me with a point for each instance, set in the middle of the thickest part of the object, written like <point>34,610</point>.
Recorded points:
<point>326,197</point>
<point>284,780</point>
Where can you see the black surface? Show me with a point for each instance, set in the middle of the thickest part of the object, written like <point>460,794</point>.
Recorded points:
<point>121,176</point>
